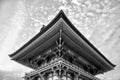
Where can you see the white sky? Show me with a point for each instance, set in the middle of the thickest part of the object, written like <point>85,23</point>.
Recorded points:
<point>98,20</point>
<point>11,21</point>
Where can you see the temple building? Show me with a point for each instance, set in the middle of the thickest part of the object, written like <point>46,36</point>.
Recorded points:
<point>60,52</point>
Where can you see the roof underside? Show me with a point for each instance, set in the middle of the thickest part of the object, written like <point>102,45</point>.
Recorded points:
<point>73,39</point>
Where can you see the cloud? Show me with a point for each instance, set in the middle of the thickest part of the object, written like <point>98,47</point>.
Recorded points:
<point>7,75</point>
<point>97,20</point>
<point>11,24</point>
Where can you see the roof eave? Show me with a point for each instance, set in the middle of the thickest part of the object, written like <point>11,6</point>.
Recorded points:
<point>60,15</point>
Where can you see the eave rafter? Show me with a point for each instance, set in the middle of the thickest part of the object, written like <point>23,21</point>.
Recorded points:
<point>59,51</point>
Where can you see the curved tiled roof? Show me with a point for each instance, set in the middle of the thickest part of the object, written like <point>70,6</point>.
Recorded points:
<point>62,15</point>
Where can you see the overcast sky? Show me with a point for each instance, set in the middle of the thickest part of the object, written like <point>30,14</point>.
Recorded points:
<point>98,20</point>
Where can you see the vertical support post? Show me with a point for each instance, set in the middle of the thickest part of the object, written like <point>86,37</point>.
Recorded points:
<point>76,76</point>
<point>42,76</point>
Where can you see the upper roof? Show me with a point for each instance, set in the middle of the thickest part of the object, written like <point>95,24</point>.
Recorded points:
<point>72,37</point>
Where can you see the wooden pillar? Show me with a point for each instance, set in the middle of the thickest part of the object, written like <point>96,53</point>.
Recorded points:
<point>77,77</point>
<point>41,76</point>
